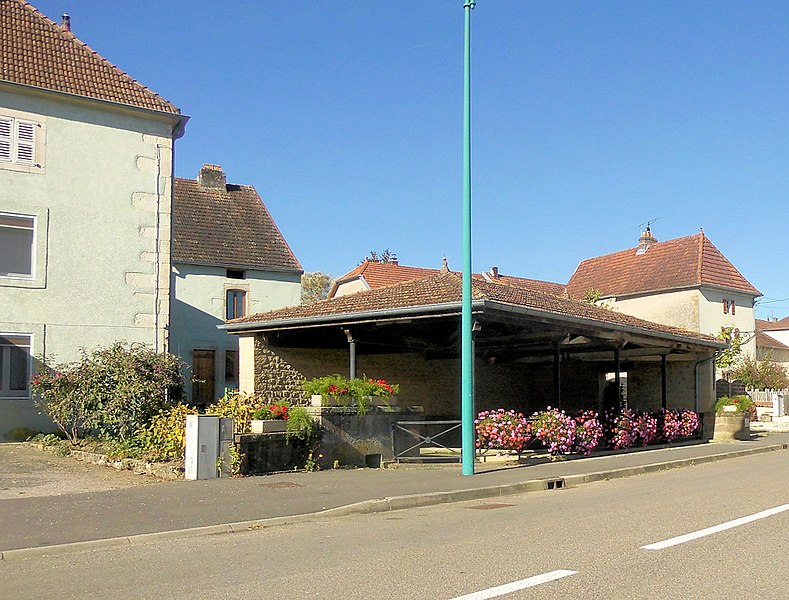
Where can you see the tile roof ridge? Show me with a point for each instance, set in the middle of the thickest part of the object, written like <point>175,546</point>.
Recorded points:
<point>700,260</point>
<point>71,37</point>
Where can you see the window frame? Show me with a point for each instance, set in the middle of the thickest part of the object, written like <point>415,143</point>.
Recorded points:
<point>35,142</point>
<point>236,293</point>
<point>6,393</point>
<point>32,228</point>
<point>40,216</point>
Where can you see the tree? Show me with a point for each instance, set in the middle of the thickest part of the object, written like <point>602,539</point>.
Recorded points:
<point>315,286</point>
<point>386,256</point>
<point>762,374</point>
<point>729,358</point>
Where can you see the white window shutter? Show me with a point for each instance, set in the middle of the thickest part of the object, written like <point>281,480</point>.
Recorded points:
<point>25,142</point>
<point>6,129</point>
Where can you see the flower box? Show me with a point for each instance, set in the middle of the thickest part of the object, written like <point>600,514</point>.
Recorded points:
<point>268,426</point>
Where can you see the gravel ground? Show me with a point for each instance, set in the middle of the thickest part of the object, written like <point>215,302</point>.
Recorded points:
<point>27,472</point>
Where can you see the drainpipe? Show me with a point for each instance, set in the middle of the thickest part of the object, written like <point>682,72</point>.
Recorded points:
<point>663,394</point>
<point>157,255</point>
<point>352,348</point>
<point>617,377</point>
<point>557,376</point>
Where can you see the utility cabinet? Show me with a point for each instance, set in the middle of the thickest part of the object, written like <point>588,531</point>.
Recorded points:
<point>202,447</point>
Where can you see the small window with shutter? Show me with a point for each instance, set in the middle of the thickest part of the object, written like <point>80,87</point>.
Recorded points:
<point>18,143</point>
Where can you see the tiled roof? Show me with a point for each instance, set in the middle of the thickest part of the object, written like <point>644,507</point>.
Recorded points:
<point>764,340</point>
<point>772,325</point>
<point>549,287</point>
<point>446,288</point>
<point>35,51</point>
<point>228,226</point>
<point>683,262</point>
<point>379,275</point>
<point>382,274</point>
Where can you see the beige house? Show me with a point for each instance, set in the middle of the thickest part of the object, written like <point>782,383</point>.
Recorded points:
<point>229,260</point>
<point>685,282</point>
<point>86,163</point>
<point>772,341</point>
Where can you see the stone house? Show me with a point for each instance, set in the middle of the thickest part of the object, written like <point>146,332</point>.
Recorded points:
<point>685,282</point>
<point>86,164</point>
<point>229,260</point>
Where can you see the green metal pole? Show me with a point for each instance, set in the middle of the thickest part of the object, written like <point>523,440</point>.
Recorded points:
<point>467,359</point>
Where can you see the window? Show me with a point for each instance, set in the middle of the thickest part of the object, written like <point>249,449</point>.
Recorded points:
<point>15,366</point>
<point>235,274</point>
<point>729,306</point>
<point>18,141</point>
<point>236,304</point>
<point>16,245</point>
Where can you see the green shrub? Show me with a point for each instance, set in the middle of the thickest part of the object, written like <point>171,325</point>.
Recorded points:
<point>115,390</point>
<point>238,406</point>
<point>301,425</point>
<point>164,437</point>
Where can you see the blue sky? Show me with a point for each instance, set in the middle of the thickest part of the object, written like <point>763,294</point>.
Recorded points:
<point>589,119</point>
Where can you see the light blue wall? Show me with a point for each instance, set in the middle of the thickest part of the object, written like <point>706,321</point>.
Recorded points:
<point>199,306</point>
<point>102,203</point>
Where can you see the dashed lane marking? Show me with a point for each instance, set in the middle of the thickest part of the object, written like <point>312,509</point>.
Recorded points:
<point>681,539</point>
<point>508,588</point>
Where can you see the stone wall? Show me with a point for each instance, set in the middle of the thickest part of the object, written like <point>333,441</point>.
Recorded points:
<point>644,387</point>
<point>431,384</point>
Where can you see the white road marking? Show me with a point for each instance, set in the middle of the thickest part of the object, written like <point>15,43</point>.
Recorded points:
<point>681,539</point>
<point>516,585</point>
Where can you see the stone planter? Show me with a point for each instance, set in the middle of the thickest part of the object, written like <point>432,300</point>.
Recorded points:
<point>732,426</point>
<point>268,426</point>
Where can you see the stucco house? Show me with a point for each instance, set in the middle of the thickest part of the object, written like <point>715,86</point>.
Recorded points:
<point>772,341</point>
<point>86,163</point>
<point>685,282</point>
<point>229,260</point>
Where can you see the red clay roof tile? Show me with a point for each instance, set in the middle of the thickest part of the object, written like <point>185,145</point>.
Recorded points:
<point>228,227</point>
<point>35,51</point>
<point>679,263</point>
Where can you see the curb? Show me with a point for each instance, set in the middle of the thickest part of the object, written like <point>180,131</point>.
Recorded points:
<point>392,503</point>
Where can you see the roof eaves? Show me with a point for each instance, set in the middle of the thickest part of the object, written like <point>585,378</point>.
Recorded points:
<point>179,120</point>
<point>446,308</point>
<point>221,265</point>
<point>506,307</point>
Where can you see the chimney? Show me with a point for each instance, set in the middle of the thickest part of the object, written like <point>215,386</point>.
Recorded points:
<point>494,272</point>
<point>212,177</point>
<point>646,240</point>
<point>65,23</point>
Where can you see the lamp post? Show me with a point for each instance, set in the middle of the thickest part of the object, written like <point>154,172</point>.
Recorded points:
<point>467,358</point>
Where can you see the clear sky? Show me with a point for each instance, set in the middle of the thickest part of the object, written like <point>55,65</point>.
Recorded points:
<point>589,119</point>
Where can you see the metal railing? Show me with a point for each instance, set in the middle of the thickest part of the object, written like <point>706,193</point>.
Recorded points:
<point>419,436</point>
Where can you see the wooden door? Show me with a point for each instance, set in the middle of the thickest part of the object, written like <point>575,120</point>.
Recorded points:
<point>203,364</point>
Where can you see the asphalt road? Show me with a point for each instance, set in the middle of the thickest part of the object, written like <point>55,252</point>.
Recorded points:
<point>445,552</point>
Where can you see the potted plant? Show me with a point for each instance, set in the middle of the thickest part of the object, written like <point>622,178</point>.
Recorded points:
<point>336,390</point>
<point>331,390</point>
<point>272,418</point>
<point>732,418</point>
